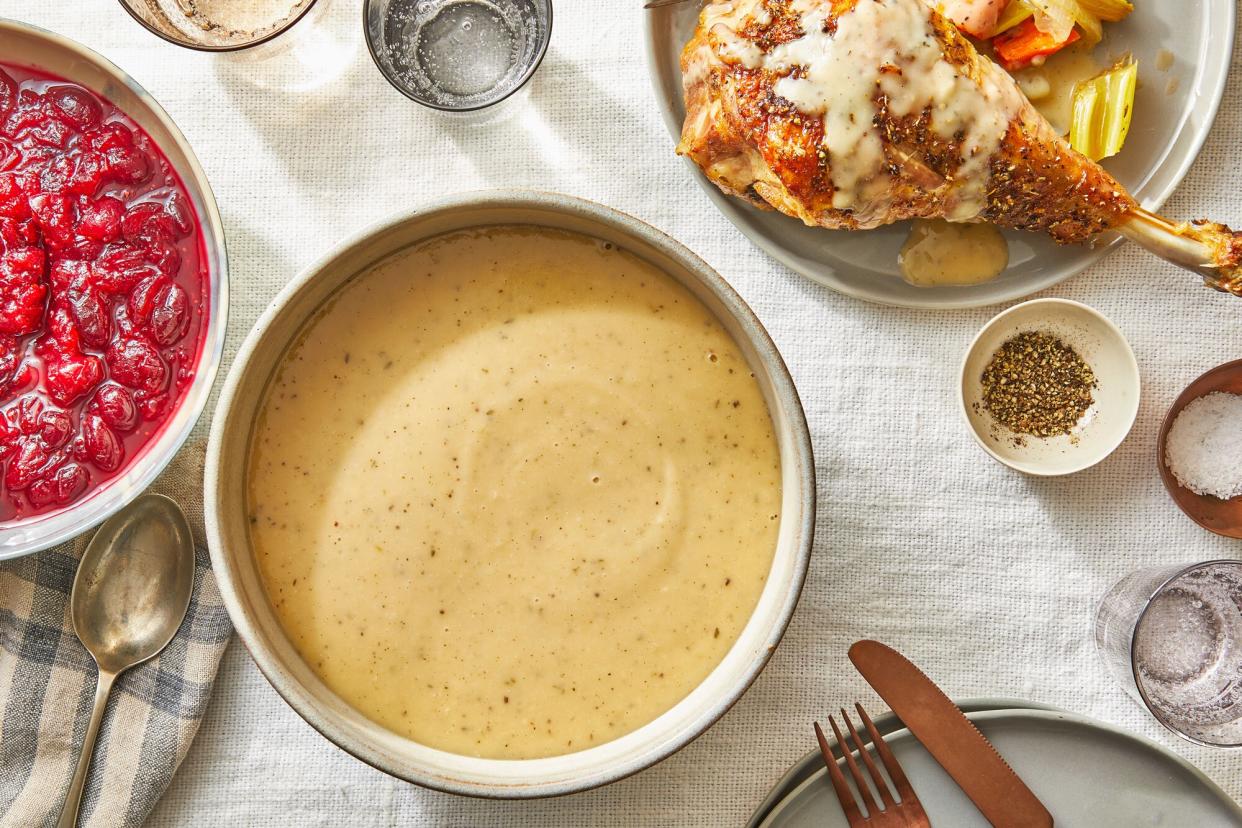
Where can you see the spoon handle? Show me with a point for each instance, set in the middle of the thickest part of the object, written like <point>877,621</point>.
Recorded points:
<point>73,799</point>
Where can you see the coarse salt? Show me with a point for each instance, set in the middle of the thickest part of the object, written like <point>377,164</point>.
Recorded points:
<point>1204,446</point>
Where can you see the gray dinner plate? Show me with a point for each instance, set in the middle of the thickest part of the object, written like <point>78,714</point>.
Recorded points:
<point>810,764</point>
<point>1174,109</point>
<point>1087,773</point>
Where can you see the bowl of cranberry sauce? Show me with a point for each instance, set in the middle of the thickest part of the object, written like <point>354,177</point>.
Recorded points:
<point>112,283</point>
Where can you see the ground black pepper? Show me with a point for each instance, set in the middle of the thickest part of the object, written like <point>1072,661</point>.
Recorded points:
<point>1036,384</point>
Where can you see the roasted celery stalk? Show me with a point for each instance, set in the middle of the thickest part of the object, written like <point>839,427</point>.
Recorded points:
<point>1103,106</point>
<point>1015,12</point>
<point>1109,10</point>
<point>1090,26</point>
<point>1058,17</point>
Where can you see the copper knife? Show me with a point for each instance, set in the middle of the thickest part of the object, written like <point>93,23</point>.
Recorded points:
<point>950,738</point>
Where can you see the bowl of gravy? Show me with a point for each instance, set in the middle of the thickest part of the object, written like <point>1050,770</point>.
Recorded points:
<point>510,496</point>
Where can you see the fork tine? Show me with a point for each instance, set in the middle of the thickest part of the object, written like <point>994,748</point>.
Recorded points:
<point>890,761</point>
<point>881,784</point>
<point>852,815</point>
<point>863,789</point>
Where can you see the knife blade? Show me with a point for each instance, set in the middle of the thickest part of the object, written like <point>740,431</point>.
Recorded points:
<point>950,738</point>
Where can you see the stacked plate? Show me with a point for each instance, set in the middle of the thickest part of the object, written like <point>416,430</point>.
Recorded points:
<point>1085,772</point>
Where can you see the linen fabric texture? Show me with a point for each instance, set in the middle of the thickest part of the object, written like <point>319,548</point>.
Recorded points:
<point>47,685</point>
<point>985,578</point>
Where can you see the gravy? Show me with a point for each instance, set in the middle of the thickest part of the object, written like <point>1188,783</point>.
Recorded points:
<point>514,493</point>
<point>944,253</point>
<point>1051,86</point>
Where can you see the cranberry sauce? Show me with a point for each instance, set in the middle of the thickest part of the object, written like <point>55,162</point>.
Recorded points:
<point>103,291</point>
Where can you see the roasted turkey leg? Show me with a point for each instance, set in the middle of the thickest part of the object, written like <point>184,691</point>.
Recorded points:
<point>851,114</point>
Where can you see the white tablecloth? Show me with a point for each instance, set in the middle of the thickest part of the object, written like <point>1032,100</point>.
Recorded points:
<point>986,578</point>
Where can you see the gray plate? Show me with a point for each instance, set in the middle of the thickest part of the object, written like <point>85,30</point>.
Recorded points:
<point>1169,129</point>
<point>1087,773</point>
<point>810,764</point>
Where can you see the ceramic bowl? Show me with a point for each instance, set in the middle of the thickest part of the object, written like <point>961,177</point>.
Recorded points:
<point>1100,343</point>
<point>1224,517</point>
<point>238,575</point>
<point>1174,109</point>
<point>30,46</point>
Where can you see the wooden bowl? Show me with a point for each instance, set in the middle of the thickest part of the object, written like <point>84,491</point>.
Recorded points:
<point>1224,517</point>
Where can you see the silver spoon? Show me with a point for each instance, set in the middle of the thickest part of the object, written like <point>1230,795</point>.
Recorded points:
<point>129,597</point>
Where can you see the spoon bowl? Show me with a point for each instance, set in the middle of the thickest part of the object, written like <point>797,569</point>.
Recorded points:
<point>133,584</point>
<point>129,598</point>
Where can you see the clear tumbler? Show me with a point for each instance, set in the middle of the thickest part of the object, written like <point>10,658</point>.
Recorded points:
<point>1173,637</point>
<point>458,56</point>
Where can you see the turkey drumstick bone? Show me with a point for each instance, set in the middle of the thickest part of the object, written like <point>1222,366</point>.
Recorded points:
<point>1211,250</point>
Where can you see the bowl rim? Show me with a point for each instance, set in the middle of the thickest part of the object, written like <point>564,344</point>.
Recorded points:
<point>118,491</point>
<point>289,689</point>
<point>1027,468</point>
<point>1213,75</point>
<point>1183,399</point>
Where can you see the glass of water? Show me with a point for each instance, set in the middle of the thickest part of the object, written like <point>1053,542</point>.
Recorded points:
<point>1173,637</point>
<point>458,55</point>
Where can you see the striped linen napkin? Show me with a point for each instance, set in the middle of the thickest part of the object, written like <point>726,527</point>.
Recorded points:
<point>47,686</point>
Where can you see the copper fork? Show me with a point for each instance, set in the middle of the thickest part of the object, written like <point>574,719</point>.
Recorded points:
<point>903,812</point>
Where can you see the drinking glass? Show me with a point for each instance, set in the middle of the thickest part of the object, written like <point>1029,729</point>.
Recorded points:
<point>458,56</point>
<point>1173,637</point>
<point>289,37</point>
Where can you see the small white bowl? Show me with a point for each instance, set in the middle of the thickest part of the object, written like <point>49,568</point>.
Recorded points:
<point>1101,344</point>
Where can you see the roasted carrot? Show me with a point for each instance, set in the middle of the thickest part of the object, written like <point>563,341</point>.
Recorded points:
<point>1025,43</point>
